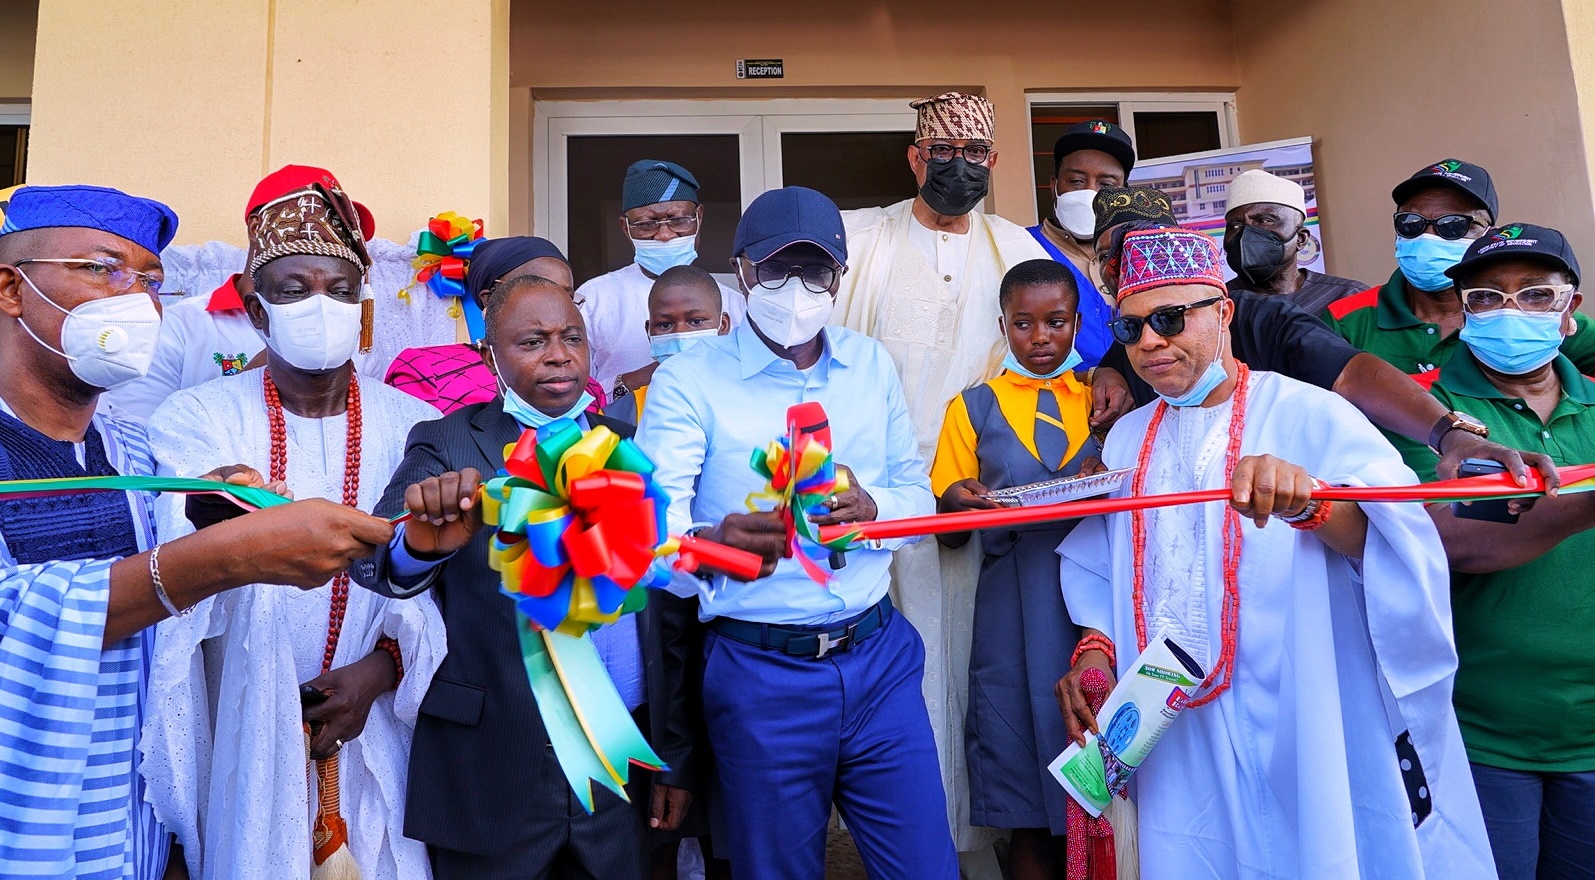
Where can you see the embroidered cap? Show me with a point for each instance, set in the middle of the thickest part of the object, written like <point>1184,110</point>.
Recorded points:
<point>145,222</point>
<point>954,116</point>
<point>1167,256</point>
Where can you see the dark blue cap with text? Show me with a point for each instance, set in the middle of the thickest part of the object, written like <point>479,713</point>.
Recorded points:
<point>786,216</point>
<point>1465,177</point>
<point>1518,241</point>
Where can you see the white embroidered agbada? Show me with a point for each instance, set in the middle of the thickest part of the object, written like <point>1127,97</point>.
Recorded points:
<point>224,750</point>
<point>943,336</point>
<point>1293,771</point>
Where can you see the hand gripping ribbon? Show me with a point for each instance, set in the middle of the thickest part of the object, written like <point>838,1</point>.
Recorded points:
<point>801,477</point>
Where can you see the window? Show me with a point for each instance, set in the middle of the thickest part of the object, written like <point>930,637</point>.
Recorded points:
<point>14,119</point>
<point>1159,124</point>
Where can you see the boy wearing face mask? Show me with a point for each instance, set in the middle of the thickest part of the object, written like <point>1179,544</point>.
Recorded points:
<point>685,308</point>
<point>1264,231</point>
<point>1027,425</point>
<point>1525,693</point>
<point>1413,319</point>
<point>661,217</point>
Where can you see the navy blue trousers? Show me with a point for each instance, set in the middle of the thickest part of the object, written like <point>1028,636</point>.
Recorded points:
<point>1541,825</point>
<point>792,735</point>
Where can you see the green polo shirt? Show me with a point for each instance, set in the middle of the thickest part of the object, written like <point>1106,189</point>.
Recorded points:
<point>1379,321</point>
<point>1525,689</point>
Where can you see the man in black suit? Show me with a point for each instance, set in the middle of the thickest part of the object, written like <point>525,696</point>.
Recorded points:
<point>486,792</point>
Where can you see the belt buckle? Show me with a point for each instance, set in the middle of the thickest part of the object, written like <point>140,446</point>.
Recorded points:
<point>827,643</point>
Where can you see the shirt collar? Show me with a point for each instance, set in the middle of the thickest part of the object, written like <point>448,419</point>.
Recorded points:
<point>1463,375</point>
<point>1066,380</point>
<point>755,356</point>
<point>1394,312</point>
<point>225,298</point>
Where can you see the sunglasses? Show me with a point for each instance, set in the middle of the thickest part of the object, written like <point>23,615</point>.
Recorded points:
<point>1167,323</point>
<point>1449,227</point>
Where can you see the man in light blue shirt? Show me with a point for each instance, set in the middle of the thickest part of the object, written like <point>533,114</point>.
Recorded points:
<point>811,692</point>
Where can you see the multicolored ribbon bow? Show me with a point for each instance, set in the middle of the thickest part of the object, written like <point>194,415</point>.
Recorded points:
<point>580,525</point>
<point>441,256</point>
<point>801,478</point>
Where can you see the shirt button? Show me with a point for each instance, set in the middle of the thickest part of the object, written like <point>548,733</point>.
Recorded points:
<point>947,278</point>
<point>1546,434</point>
<point>944,236</point>
<point>1517,406</point>
<point>1431,331</point>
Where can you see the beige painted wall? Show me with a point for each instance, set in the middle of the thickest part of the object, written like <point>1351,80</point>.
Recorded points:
<point>18,22</point>
<point>872,48</point>
<point>1461,79</point>
<point>246,86</point>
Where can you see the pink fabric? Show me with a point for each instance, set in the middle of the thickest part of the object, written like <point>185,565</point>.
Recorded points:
<point>453,376</point>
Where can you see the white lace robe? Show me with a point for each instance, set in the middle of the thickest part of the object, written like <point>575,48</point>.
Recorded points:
<point>1293,771</point>
<point>224,750</point>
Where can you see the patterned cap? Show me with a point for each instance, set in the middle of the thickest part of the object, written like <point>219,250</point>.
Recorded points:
<point>954,116</point>
<point>1168,256</point>
<point>315,219</point>
<point>1122,204</point>
<point>145,222</point>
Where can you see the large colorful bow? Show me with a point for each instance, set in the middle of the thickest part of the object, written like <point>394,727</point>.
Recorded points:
<point>800,478</point>
<point>441,256</point>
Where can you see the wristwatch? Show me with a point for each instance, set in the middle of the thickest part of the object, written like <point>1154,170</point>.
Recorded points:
<point>619,390</point>
<point>1454,420</point>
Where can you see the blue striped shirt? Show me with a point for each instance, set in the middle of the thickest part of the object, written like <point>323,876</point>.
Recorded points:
<point>71,803</point>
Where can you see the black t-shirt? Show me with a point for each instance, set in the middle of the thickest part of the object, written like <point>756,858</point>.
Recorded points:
<point>1268,333</point>
<point>1317,290</point>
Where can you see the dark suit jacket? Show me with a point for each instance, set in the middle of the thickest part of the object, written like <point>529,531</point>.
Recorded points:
<point>481,761</point>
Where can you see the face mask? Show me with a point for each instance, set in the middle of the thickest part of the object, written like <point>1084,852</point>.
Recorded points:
<point>1075,214</point>
<point>666,344</point>
<point>1012,362</point>
<point>1212,378</point>
<point>1513,342</point>
<point>106,342</point>
<point>1423,260</point>
<point>530,416</point>
<point>953,188</point>
<point>315,333</point>
<point>791,314</point>
<point>657,256</point>
<point>1256,255</point>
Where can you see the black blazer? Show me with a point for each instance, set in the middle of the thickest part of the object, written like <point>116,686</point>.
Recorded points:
<point>481,760</point>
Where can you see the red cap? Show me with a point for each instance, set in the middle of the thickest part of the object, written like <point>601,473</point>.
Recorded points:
<point>290,178</point>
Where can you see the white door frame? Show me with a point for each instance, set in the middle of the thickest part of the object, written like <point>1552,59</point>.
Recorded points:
<point>758,125</point>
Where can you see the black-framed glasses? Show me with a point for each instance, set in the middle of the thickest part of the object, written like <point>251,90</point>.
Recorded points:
<point>1166,322</point>
<point>683,225</point>
<point>1450,227</point>
<point>113,275</point>
<point>817,277</point>
<point>974,154</point>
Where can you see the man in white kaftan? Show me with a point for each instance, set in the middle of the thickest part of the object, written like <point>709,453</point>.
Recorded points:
<point>922,279</point>
<point>224,747</point>
<point>1294,768</point>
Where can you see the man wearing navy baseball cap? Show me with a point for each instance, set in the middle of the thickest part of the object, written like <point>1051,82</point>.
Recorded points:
<point>1525,689</point>
<point>811,691</point>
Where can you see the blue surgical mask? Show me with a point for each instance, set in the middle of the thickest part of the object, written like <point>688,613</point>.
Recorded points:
<point>1012,362</point>
<point>666,344</point>
<point>1213,377</point>
<point>1513,342</point>
<point>1423,260</point>
<point>657,256</point>
<point>530,416</point>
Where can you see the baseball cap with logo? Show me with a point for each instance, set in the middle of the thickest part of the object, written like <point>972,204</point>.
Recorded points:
<point>786,216</point>
<point>1464,177</point>
<point>1095,134</point>
<point>1515,241</point>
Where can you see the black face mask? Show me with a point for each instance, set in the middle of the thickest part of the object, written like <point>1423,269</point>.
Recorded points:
<point>953,188</point>
<point>1256,255</point>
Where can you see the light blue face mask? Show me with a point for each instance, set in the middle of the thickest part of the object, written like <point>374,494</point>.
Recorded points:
<point>1423,260</point>
<point>530,416</point>
<point>1213,377</point>
<point>657,256</point>
<point>668,344</point>
<point>1069,363</point>
<point>1513,342</point>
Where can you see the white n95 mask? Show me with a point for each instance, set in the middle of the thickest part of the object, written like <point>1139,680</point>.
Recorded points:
<point>107,342</point>
<point>791,314</point>
<point>315,333</point>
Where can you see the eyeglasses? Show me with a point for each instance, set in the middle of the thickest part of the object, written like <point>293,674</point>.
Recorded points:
<point>113,275</point>
<point>1167,323</point>
<point>684,225</point>
<point>974,154</point>
<point>817,277</point>
<point>1539,298</point>
<point>1449,226</point>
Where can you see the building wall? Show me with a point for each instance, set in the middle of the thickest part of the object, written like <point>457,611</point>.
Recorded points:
<point>871,48</point>
<point>1427,82</point>
<point>18,22</point>
<point>405,100</point>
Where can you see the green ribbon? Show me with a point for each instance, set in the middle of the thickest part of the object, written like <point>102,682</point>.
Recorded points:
<point>589,727</point>
<point>252,497</point>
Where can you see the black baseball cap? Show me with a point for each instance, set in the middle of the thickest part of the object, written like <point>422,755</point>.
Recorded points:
<point>1464,177</point>
<point>1514,241</point>
<point>1094,134</point>
<point>784,216</point>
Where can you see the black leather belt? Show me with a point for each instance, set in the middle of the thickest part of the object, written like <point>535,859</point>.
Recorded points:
<point>806,641</point>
